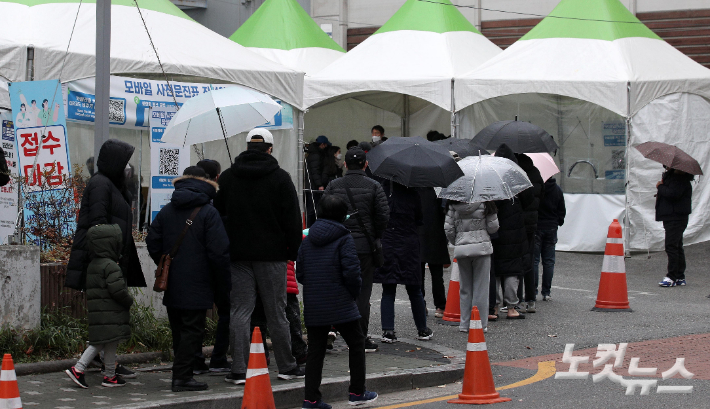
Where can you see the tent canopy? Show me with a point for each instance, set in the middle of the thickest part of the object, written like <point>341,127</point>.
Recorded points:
<point>282,31</point>
<point>590,50</point>
<point>417,52</point>
<point>186,48</point>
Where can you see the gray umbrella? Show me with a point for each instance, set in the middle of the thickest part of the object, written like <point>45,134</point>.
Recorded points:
<point>463,147</point>
<point>522,137</point>
<point>487,178</point>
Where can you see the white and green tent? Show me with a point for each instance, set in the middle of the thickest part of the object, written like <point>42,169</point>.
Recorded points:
<point>600,81</point>
<point>282,31</point>
<point>186,48</point>
<point>406,66</point>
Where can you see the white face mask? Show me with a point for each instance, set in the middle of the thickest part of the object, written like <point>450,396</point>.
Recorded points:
<point>339,156</point>
<point>376,138</point>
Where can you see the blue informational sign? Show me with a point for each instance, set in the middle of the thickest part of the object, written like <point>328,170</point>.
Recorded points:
<point>614,133</point>
<point>615,174</point>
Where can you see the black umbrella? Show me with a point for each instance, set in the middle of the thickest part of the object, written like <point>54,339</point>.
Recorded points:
<point>414,162</point>
<point>463,147</point>
<point>522,137</point>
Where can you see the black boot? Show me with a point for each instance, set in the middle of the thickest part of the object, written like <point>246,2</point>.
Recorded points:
<point>185,385</point>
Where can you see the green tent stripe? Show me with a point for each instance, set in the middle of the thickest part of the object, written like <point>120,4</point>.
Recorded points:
<point>581,19</point>
<point>163,6</point>
<point>282,25</point>
<point>438,16</point>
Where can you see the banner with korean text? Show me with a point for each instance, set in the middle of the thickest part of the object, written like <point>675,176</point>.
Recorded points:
<point>8,193</point>
<point>167,162</point>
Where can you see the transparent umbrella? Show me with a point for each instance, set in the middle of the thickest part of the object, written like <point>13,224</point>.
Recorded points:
<point>486,178</point>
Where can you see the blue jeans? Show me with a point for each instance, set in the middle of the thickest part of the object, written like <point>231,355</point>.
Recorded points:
<point>389,291</point>
<point>545,241</point>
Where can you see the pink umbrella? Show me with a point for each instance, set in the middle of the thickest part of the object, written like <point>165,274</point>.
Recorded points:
<point>545,164</point>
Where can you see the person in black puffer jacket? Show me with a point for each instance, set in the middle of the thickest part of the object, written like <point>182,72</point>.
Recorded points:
<point>199,273</point>
<point>434,249</point>
<point>106,201</point>
<point>510,247</point>
<point>329,269</point>
<point>673,207</point>
<point>4,170</point>
<point>533,196</point>
<point>551,215</point>
<point>371,207</point>
<point>313,176</point>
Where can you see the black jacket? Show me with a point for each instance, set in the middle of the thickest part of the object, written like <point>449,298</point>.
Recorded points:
<point>106,201</point>
<point>674,198</point>
<point>260,206</point>
<point>400,243</point>
<point>199,274</point>
<point>511,245</point>
<point>371,204</point>
<point>329,269</point>
<point>4,170</point>
<point>314,164</point>
<point>552,208</point>
<point>434,247</point>
<point>533,196</point>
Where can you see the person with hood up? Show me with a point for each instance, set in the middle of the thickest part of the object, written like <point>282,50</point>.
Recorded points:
<point>108,302</point>
<point>531,199</point>
<point>199,273</point>
<point>673,207</point>
<point>510,247</point>
<point>551,215</point>
<point>400,247</point>
<point>468,227</point>
<point>329,269</point>
<point>259,202</point>
<point>314,183</point>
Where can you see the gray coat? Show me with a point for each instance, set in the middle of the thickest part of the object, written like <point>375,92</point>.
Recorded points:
<point>468,228</point>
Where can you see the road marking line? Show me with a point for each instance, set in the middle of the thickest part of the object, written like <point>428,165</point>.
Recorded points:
<point>571,289</point>
<point>545,370</point>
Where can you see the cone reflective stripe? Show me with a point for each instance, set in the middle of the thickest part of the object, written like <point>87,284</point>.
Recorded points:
<point>452,312</point>
<point>257,391</point>
<point>9,392</point>
<point>613,294</point>
<point>478,385</point>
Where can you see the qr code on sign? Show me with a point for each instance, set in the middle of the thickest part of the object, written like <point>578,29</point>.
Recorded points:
<point>618,159</point>
<point>169,161</point>
<point>117,111</point>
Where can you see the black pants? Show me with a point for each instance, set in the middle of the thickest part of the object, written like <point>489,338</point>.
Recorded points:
<point>299,348</point>
<point>221,343</point>
<point>317,340</point>
<point>674,248</point>
<point>492,291</point>
<point>258,319</point>
<point>438,291</point>
<point>312,199</point>
<point>528,278</point>
<point>367,269</point>
<point>188,328</point>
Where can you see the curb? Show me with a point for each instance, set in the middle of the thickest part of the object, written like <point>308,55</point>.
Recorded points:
<point>333,389</point>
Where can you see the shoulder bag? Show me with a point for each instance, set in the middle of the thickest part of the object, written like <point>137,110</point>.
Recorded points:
<point>163,270</point>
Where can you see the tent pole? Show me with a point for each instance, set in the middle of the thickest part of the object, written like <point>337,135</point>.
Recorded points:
<point>224,134</point>
<point>454,133</point>
<point>103,74</point>
<point>627,222</point>
<point>405,131</point>
<point>560,139</point>
<point>301,159</point>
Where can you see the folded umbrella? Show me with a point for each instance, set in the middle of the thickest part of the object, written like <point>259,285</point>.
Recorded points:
<point>487,178</point>
<point>463,147</point>
<point>522,137</point>
<point>218,114</point>
<point>413,162</point>
<point>671,156</point>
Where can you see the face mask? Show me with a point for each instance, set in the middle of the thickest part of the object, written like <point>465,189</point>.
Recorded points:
<point>376,138</point>
<point>339,156</point>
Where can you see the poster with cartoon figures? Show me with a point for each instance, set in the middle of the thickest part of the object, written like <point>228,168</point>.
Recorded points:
<point>40,133</point>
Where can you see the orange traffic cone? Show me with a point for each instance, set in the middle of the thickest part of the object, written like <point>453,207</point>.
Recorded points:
<point>613,295</point>
<point>9,392</point>
<point>257,391</point>
<point>452,313</point>
<point>478,386</point>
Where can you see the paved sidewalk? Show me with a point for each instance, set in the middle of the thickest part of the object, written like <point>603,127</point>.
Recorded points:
<point>392,368</point>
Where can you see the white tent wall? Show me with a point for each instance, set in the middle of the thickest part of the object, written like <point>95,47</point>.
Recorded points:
<point>678,119</point>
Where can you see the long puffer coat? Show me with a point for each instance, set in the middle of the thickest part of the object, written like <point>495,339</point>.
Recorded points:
<point>400,243</point>
<point>199,273</point>
<point>329,269</point>
<point>674,198</point>
<point>370,201</point>
<point>511,245</point>
<point>432,239</point>
<point>108,300</point>
<point>106,201</point>
<point>468,227</point>
<point>314,166</point>
<point>533,196</point>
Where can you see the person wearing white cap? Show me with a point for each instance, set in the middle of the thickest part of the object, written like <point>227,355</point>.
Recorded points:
<point>259,203</point>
